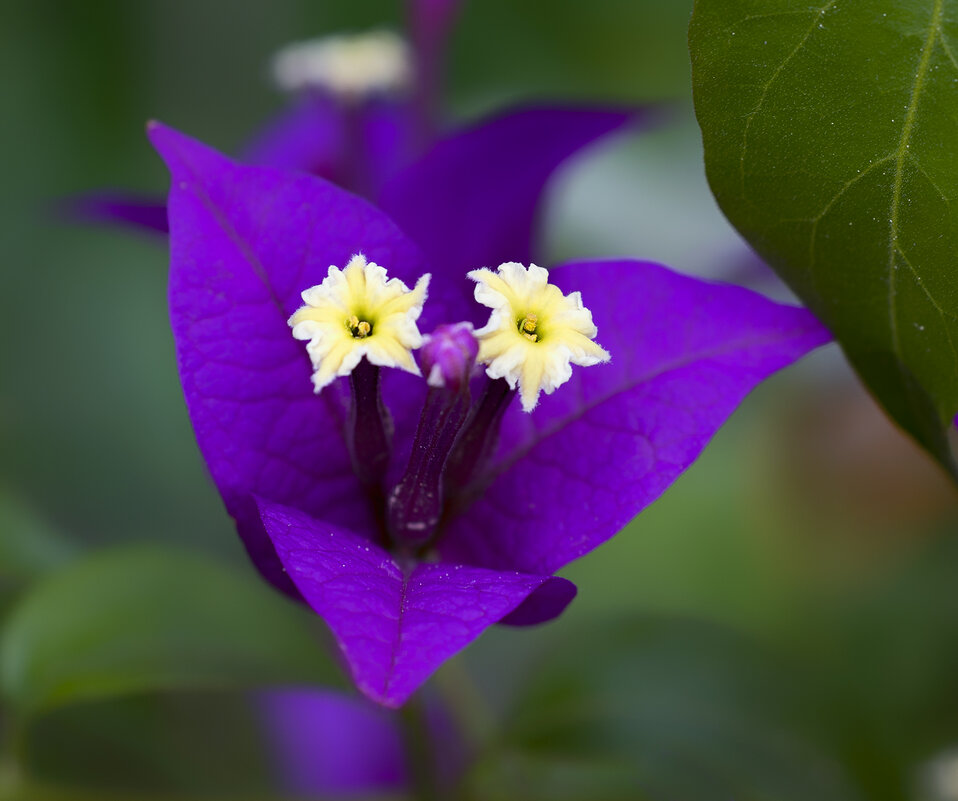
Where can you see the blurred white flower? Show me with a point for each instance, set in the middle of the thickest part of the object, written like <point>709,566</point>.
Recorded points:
<point>350,65</point>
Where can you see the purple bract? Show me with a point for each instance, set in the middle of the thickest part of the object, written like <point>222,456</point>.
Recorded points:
<point>325,744</point>
<point>246,241</point>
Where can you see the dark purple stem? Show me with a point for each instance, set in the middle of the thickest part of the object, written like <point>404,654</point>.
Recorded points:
<point>370,427</point>
<point>415,505</point>
<point>479,438</point>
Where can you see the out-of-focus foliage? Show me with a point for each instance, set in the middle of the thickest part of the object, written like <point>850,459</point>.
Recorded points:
<point>147,618</point>
<point>664,707</point>
<point>616,51</point>
<point>29,546</point>
<point>830,143</point>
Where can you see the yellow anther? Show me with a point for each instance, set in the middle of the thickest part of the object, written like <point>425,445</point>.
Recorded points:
<point>528,324</point>
<point>360,329</point>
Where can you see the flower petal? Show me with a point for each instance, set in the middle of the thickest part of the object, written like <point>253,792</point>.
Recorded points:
<point>389,141</point>
<point>308,136</point>
<point>245,241</point>
<point>316,135</point>
<point>394,628</point>
<point>546,603</point>
<point>471,201</point>
<point>685,353</point>
<point>325,743</point>
<point>118,208</point>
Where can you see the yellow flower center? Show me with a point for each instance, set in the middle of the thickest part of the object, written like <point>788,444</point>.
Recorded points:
<point>528,326</point>
<point>360,329</point>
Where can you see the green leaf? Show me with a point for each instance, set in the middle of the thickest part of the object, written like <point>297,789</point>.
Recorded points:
<point>663,708</point>
<point>831,143</point>
<point>29,546</point>
<point>148,618</point>
<point>181,746</point>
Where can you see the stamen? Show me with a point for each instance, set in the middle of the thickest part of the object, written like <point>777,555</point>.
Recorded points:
<point>528,327</point>
<point>360,329</point>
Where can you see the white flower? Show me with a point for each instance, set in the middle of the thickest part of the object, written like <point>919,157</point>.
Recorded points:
<point>535,333</point>
<point>348,65</point>
<point>357,312</point>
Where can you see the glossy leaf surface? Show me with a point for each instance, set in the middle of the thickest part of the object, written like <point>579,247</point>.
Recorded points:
<point>829,134</point>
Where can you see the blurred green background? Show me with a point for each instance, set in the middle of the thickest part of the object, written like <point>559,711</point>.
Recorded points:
<point>783,624</point>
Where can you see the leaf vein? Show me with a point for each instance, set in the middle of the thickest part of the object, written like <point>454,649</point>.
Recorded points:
<point>813,239</point>
<point>934,29</point>
<point>927,177</point>
<point>946,47</point>
<point>768,85</point>
<point>941,312</point>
